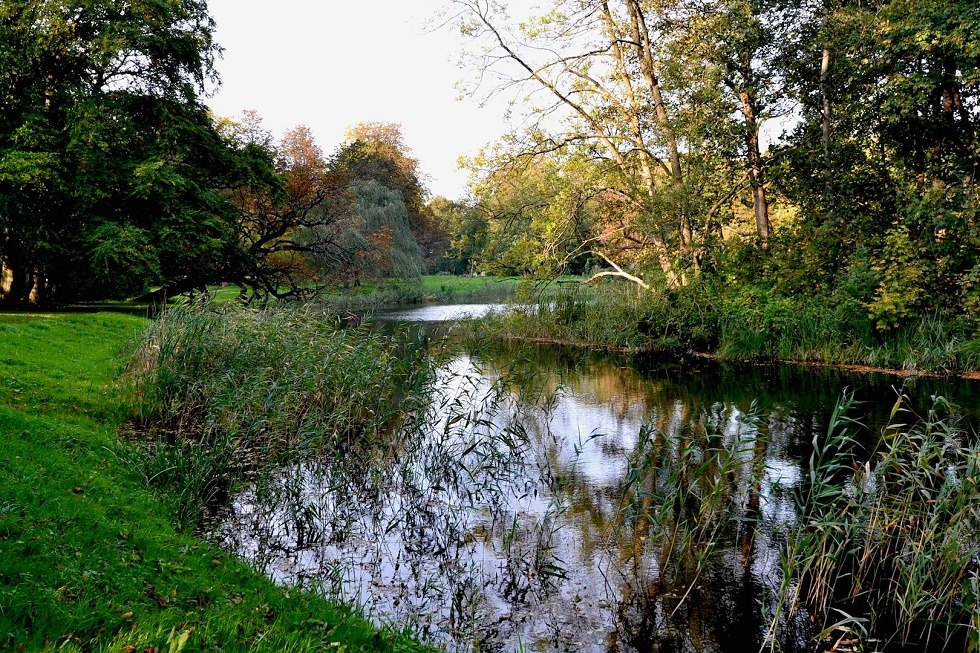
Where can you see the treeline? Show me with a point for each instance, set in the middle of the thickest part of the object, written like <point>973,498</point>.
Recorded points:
<point>805,148</point>
<point>115,178</point>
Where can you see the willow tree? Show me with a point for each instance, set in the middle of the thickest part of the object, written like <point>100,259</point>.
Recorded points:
<point>377,151</point>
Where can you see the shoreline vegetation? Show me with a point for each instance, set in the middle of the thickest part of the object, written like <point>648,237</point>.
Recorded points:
<point>742,324</point>
<point>94,559</point>
<point>725,323</point>
<point>707,320</point>
<point>115,459</point>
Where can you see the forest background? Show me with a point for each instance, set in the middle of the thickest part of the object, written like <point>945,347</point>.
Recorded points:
<point>645,146</point>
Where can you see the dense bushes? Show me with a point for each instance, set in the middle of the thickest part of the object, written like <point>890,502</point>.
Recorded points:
<point>747,322</point>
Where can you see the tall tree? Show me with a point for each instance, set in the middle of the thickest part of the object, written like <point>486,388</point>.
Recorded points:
<point>108,161</point>
<point>899,155</point>
<point>289,204</point>
<point>619,77</point>
<point>377,151</point>
<point>599,65</point>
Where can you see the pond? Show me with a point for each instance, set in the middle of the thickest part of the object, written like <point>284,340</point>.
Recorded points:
<point>540,506</point>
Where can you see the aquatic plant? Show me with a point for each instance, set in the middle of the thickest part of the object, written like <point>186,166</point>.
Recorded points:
<point>741,323</point>
<point>222,394</point>
<point>886,544</point>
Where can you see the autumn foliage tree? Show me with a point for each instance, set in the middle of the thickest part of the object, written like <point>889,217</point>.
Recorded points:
<point>288,208</point>
<point>376,151</point>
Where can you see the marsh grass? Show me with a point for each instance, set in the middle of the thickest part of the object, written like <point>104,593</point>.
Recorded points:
<point>887,544</point>
<point>741,324</point>
<point>223,394</point>
<point>396,528</point>
<point>691,492</point>
<point>454,503</point>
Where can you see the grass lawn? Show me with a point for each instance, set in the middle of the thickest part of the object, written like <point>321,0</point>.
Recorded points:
<point>436,289</point>
<point>89,557</point>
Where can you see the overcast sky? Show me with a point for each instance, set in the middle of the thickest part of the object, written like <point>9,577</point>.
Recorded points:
<point>329,64</point>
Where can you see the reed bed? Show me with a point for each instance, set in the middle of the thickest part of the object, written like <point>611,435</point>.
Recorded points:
<point>743,324</point>
<point>433,491</point>
<point>886,547</point>
<point>222,394</point>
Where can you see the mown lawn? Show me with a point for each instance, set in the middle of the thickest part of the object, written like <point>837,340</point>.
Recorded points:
<point>89,557</point>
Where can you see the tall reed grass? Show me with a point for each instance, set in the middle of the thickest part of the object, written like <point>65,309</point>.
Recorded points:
<point>886,546</point>
<point>746,323</point>
<point>223,394</point>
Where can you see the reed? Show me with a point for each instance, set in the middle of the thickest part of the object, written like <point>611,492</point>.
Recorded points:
<point>886,544</point>
<point>222,394</point>
<point>742,324</point>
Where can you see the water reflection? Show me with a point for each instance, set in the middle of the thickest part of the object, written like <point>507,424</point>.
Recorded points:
<point>442,312</point>
<point>557,500</point>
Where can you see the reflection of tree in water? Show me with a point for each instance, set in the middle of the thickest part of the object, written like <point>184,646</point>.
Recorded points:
<point>555,502</point>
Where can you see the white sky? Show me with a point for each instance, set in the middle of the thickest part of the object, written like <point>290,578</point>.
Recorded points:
<point>328,64</point>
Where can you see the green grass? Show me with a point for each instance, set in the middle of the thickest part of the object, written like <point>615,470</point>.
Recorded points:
<point>90,558</point>
<point>446,289</point>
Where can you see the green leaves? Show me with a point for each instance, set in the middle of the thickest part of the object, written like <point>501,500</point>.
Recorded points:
<point>104,146</point>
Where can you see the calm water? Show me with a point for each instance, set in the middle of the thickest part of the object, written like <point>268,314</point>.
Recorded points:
<point>440,313</point>
<point>530,514</point>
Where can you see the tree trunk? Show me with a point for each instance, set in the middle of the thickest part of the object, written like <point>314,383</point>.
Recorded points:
<point>760,203</point>
<point>644,47</point>
<point>825,133</point>
<point>17,283</point>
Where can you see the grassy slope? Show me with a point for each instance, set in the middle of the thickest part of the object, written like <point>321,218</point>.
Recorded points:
<point>89,558</point>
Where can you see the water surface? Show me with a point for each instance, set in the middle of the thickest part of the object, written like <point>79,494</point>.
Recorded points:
<point>542,507</point>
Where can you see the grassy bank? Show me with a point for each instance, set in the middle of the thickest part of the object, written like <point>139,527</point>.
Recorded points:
<point>445,289</point>
<point>747,324</point>
<point>90,558</point>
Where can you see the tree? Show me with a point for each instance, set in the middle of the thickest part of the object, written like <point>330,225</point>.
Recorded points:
<point>539,219</point>
<point>899,163</point>
<point>289,207</point>
<point>376,151</point>
<point>378,234</point>
<point>465,229</point>
<point>108,161</point>
<point>726,50</point>
<point>619,77</point>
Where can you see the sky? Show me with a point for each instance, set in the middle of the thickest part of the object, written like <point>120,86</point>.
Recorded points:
<point>329,64</point>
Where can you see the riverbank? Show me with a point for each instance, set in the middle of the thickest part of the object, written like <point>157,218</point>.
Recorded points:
<point>446,289</point>
<point>90,558</point>
<point>746,325</point>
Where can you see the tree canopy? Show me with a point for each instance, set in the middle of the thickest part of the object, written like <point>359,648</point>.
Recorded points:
<point>109,164</point>
<point>115,178</point>
<point>678,106</point>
